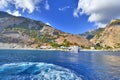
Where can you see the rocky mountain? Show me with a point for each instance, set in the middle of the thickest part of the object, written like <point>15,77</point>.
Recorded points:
<point>25,32</point>
<point>90,34</point>
<point>109,38</point>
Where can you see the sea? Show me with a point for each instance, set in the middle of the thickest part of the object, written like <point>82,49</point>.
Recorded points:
<point>59,65</point>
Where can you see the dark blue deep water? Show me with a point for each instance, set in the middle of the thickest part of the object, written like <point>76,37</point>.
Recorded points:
<point>57,65</point>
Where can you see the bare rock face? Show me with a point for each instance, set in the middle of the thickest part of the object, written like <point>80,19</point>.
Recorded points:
<point>91,33</point>
<point>76,39</point>
<point>28,32</point>
<point>110,36</point>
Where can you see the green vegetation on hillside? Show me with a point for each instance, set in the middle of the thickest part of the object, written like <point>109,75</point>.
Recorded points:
<point>65,44</point>
<point>31,33</point>
<point>55,45</point>
<point>41,38</point>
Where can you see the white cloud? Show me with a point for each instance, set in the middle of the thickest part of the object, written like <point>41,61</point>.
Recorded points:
<point>3,4</point>
<point>48,23</point>
<point>100,12</point>
<point>75,14</point>
<point>25,5</point>
<point>64,8</point>
<point>47,6</point>
<point>100,25</point>
<point>29,5</point>
<point>15,13</point>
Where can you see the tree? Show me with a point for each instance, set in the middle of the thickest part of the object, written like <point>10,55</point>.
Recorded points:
<point>66,43</point>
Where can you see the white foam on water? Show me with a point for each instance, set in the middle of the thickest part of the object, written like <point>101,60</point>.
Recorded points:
<point>35,71</point>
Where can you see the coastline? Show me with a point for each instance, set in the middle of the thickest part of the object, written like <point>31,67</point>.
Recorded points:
<point>24,49</point>
<point>32,49</point>
<point>100,50</point>
<point>54,49</point>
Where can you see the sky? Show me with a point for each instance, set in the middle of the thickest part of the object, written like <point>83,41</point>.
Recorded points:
<point>71,16</point>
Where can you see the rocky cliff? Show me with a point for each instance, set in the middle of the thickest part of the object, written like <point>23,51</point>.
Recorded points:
<point>26,32</point>
<point>109,38</point>
<point>90,34</point>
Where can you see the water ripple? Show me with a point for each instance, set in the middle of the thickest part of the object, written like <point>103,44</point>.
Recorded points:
<point>35,71</point>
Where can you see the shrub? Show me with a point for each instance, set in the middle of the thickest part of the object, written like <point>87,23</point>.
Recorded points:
<point>55,45</point>
<point>66,43</point>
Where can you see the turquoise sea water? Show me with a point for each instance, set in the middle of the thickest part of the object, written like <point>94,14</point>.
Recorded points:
<point>57,65</point>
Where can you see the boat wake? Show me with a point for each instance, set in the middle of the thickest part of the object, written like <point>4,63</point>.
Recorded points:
<point>35,71</point>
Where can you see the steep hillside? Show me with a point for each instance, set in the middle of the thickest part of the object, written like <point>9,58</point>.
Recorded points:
<point>90,34</point>
<point>109,38</point>
<point>26,32</point>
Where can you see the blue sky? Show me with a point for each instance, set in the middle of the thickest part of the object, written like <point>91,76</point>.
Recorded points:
<point>63,19</point>
<point>72,16</point>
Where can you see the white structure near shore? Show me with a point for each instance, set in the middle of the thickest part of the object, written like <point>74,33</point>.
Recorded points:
<point>74,49</point>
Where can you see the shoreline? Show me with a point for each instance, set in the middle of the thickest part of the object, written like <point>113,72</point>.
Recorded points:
<point>53,49</point>
<point>33,49</point>
<point>25,49</point>
<point>99,50</point>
